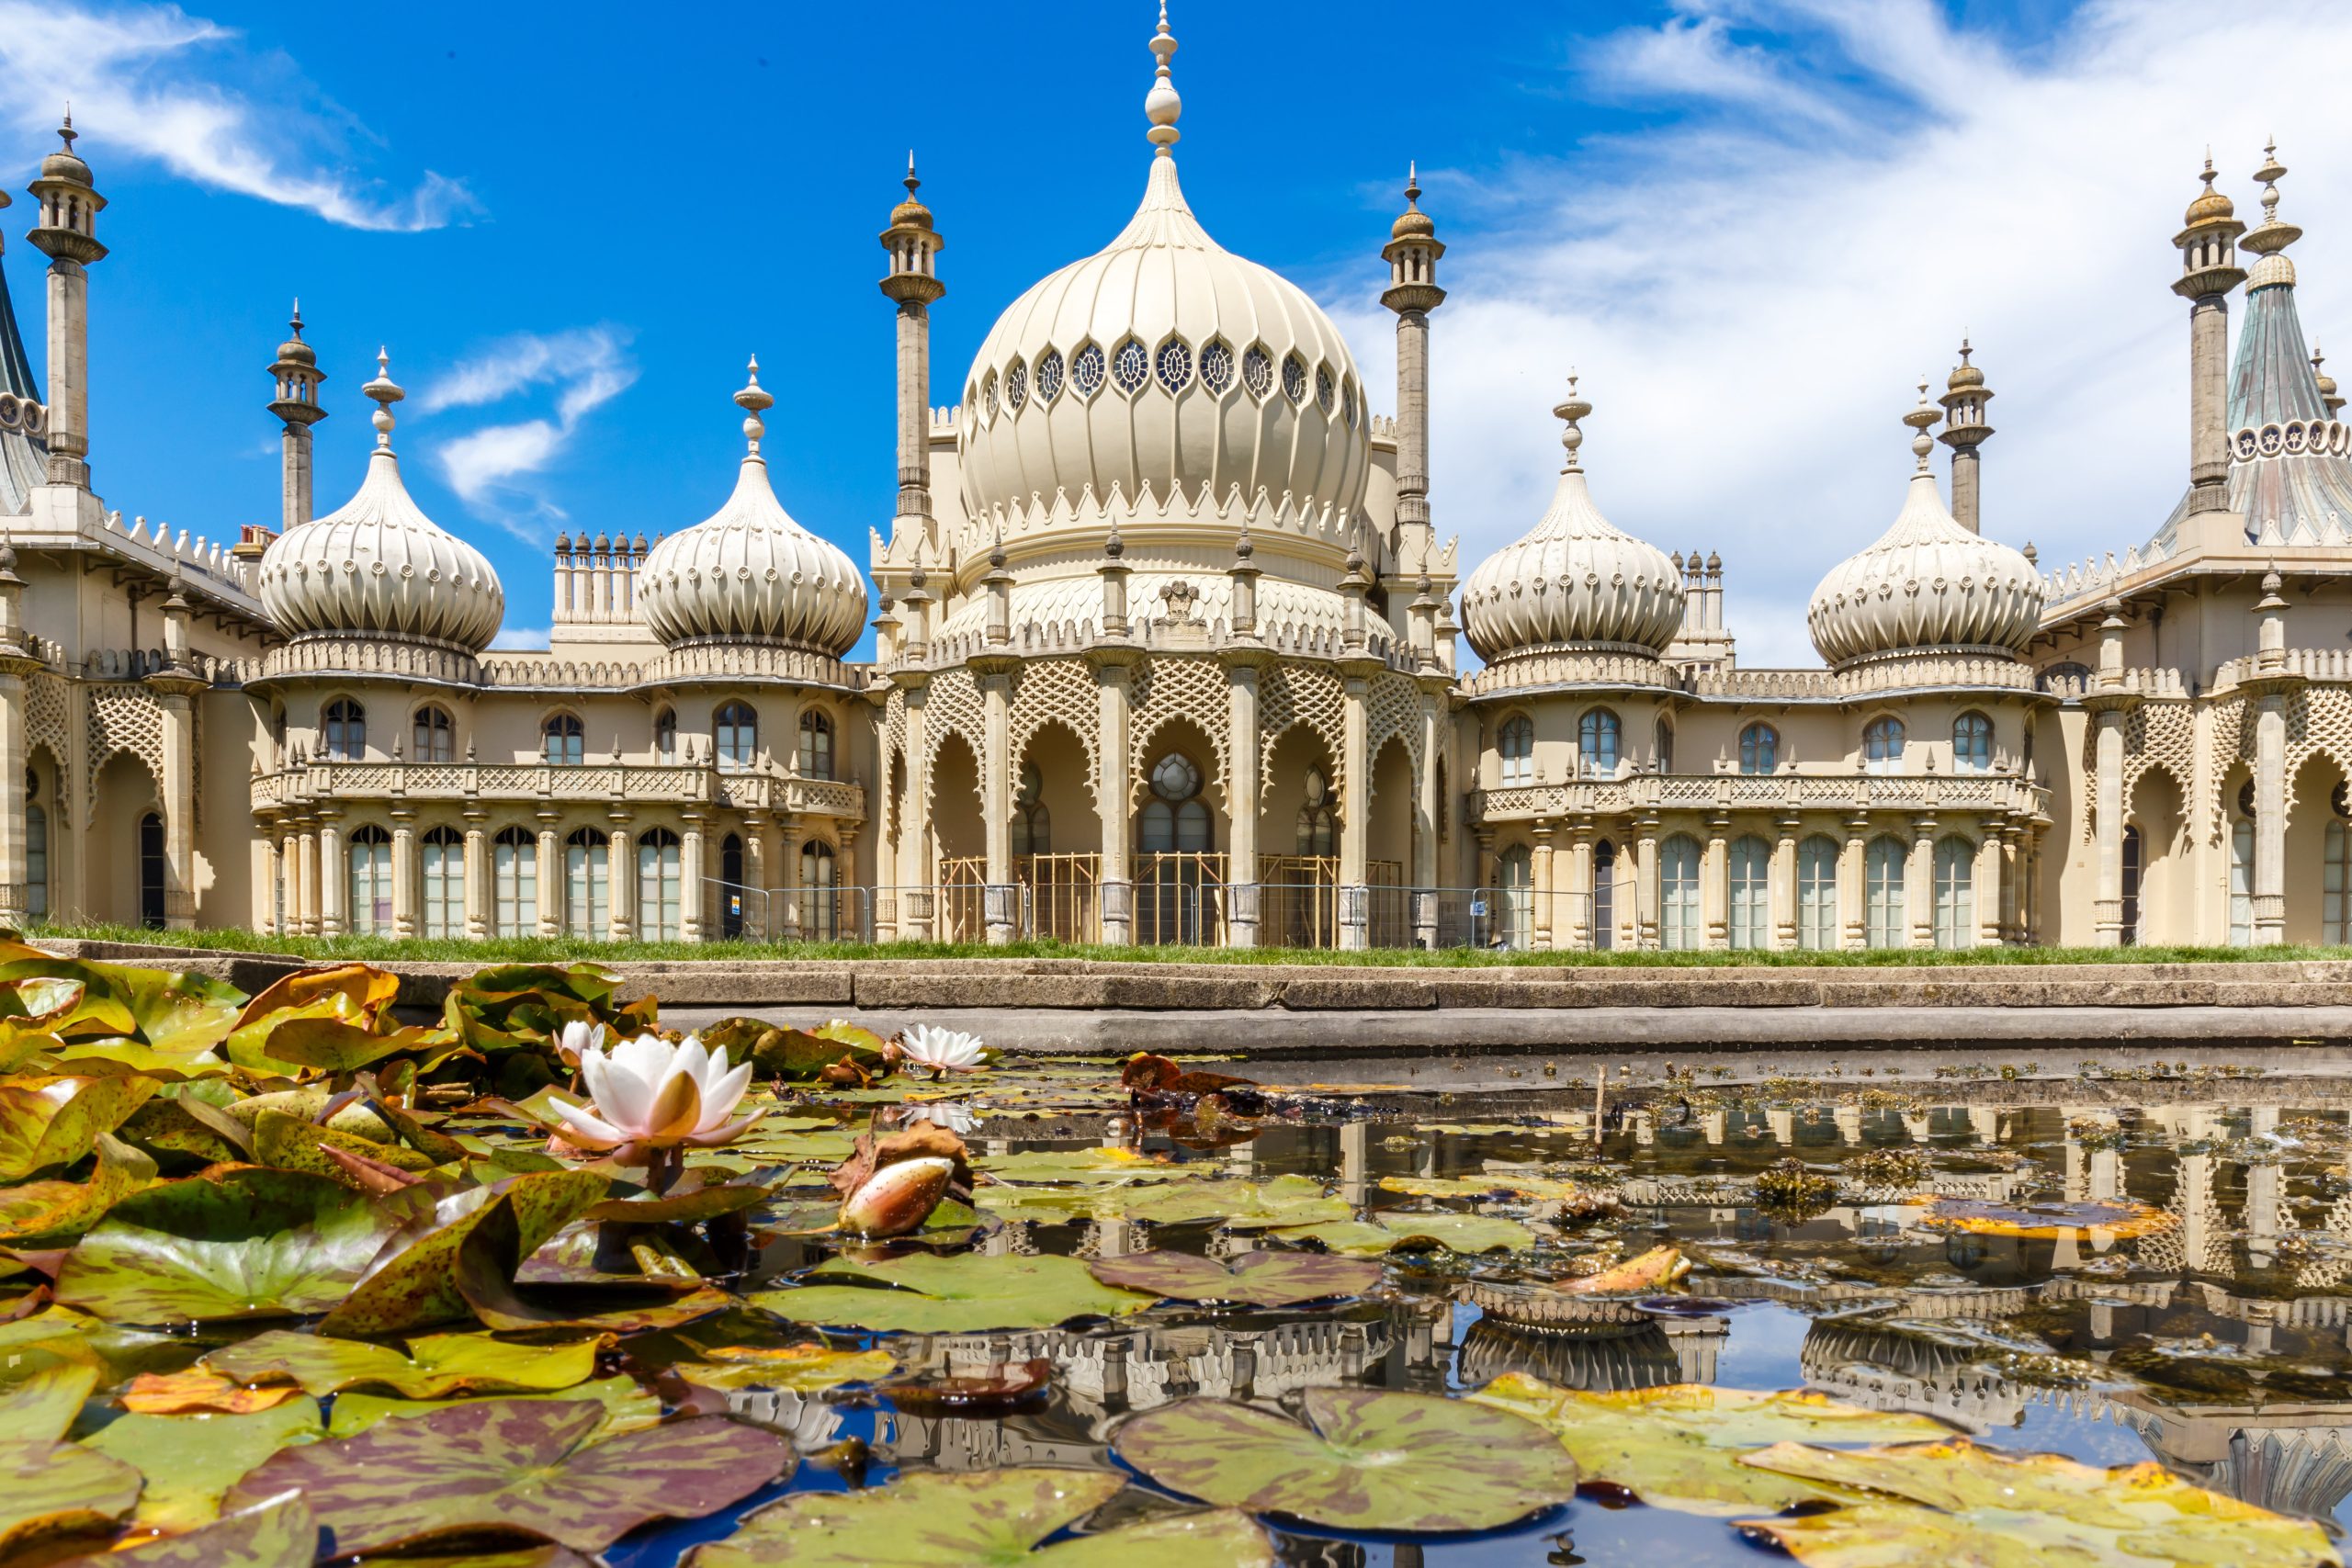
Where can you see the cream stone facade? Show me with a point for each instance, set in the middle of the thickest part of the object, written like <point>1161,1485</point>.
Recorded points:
<point>1166,651</point>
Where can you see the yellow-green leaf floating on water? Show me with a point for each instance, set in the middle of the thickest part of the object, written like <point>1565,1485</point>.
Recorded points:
<point>961,1294</point>
<point>437,1365</point>
<point>1954,1502</point>
<point>49,1490</point>
<point>190,1461</point>
<point>1394,1232</point>
<point>989,1519</point>
<point>1678,1446</point>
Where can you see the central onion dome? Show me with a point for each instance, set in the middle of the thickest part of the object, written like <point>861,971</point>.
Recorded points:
<point>1928,586</point>
<point>379,565</point>
<point>1163,362</point>
<point>749,573</point>
<point>1575,580</point>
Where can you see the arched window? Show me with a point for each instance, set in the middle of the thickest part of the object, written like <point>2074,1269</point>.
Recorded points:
<point>816,745</point>
<point>1972,744</point>
<point>2336,883</point>
<point>1173,832</point>
<point>665,736</point>
<point>1817,894</point>
<point>1604,896</point>
<point>2135,859</point>
<point>1175,820</point>
<point>515,882</point>
<point>1955,891</point>
<point>1750,916</point>
<point>1597,736</point>
<point>1032,825</point>
<point>820,905</point>
<point>659,884</point>
<point>443,855</point>
<point>371,904</point>
<point>151,871</point>
<point>2242,883</point>
<point>1514,913</point>
<point>1516,748</point>
<point>345,731</point>
<point>587,884</point>
<point>738,731</point>
<point>1882,744</point>
<point>563,739</point>
<point>1886,916</point>
<point>433,738</point>
<point>1759,748</point>
<point>1678,894</point>
<point>36,850</point>
<point>1319,825</point>
<point>1663,746</point>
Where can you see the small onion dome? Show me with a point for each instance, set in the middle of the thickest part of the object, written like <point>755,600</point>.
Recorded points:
<point>294,350</point>
<point>1412,224</point>
<point>1965,376</point>
<point>912,212</point>
<point>65,163</point>
<point>749,573</point>
<point>1573,579</point>
<point>379,565</point>
<point>2209,203</point>
<point>1927,583</point>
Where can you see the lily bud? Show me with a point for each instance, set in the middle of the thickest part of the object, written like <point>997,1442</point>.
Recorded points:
<point>897,1198</point>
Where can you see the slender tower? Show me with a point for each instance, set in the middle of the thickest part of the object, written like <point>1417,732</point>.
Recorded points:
<point>67,234</point>
<point>1412,254</point>
<point>1964,431</point>
<point>297,403</point>
<point>2209,270</point>
<point>912,282</point>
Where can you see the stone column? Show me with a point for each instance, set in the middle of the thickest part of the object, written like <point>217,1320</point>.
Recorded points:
<point>1714,883</point>
<point>1541,869</point>
<point>304,893</point>
<point>175,694</point>
<point>620,901</point>
<point>1581,892</point>
<point>2012,883</point>
<point>1645,881</point>
<point>265,892</point>
<point>1987,896</point>
<point>1784,885</point>
<point>916,877</point>
<point>1920,882</point>
<point>2270,820</point>
<point>1113,666</point>
<point>333,877</point>
<point>404,872</point>
<point>690,879</point>
<point>1425,814</point>
<point>1853,886</point>
<point>479,891</point>
<point>1355,810</point>
<point>794,833</point>
<point>13,865</point>
<point>2108,816</point>
<point>1241,666</point>
<point>1002,893</point>
<point>551,877</point>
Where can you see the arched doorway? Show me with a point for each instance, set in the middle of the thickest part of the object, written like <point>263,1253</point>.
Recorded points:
<point>151,871</point>
<point>1514,914</point>
<point>2134,863</point>
<point>731,894</point>
<point>1178,878</point>
<point>1604,896</point>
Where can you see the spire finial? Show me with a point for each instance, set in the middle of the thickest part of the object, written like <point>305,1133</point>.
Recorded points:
<point>2271,236</point>
<point>1412,185</point>
<point>2268,175</point>
<point>1162,105</point>
<point>1920,419</point>
<point>385,393</point>
<point>296,321</point>
<point>911,183</point>
<point>66,131</point>
<point>753,400</point>
<point>1571,409</point>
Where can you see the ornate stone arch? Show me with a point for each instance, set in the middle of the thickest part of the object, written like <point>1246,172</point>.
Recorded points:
<point>1308,694</point>
<point>951,707</point>
<point>1393,710</point>
<point>1063,691</point>
<point>122,718</point>
<point>1168,688</point>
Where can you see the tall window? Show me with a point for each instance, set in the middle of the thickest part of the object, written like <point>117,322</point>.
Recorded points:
<point>1516,748</point>
<point>816,745</point>
<point>151,871</point>
<point>1955,893</point>
<point>665,736</point>
<point>1514,914</point>
<point>345,731</point>
<point>1817,894</point>
<point>515,882</point>
<point>36,850</point>
<point>1972,744</point>
<point>587,884</point>
<point>563,739</point>
<point>660,885</point>
<point>1883,893</point>
<point>1759,748</point>
<point>371,904</point>
<point>819,908</point>
<point>1598,737</point>
<point>1882,744</point>
<point>1663,746</point>
<point>432,736</point>
<point>2134,862</point>
<point>1032,825</point>
<point>1319,825</point>
<point>444,864</point>
<point>2337,904</point>
<point>1751,892</point>
<point>1604,896</point>
<point>738,731</point>
<point>1678,894</point>
<point>1175,820</point>
<point>2242,883</point>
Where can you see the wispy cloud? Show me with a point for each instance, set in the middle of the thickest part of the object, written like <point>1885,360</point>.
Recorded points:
<point>521,639</point>
<point>584,368</point>
<point>1752,285</point>
<point>155,82</point>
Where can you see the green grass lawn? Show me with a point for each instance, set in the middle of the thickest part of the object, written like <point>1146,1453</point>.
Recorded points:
<point>500,950</point>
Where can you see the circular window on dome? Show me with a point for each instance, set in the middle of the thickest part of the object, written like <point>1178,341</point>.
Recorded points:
<point>1016,385</point>
<point>1086,370</point>
<point>1174,366</point>
<point>1294,379</point>
<point>1132,367</point>
<point>1049,376</point>
<point>1216,367</point>
<point>988,394</point>
<point>1175,778</point>
<point>1257,372</point>
<point>1326,393</point>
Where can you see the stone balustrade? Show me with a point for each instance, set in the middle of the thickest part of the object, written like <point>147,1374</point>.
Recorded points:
<point>307,786</point>
<point>1586,799</point>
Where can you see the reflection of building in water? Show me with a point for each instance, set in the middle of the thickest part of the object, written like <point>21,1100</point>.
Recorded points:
<point>1598,1359</point>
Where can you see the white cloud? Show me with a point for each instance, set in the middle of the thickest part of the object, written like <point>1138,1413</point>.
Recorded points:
<point>1752,288</point>
<point>586,368</point>
<point>521,639</point>
<point>150,80</point>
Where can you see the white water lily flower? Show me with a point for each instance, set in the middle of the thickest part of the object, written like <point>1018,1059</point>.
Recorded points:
<point>943,1049</point>
<point>648,1094</point>
<point>577,1037</point>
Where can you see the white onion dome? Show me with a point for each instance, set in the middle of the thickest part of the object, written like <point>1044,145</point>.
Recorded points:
<point>1575,580</point>
<point>1928,584</point>
<point>1163,362</point>
<point>378,565</point>
<point>749,573</point>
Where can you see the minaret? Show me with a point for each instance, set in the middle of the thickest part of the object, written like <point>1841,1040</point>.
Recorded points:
<point>2326,384</point>
<point>2209,270</point>
<point>1964,431</point>
<point>297,403</point>
<point>67,234</point>
<point>912,282</point>
<point>1412,254</point>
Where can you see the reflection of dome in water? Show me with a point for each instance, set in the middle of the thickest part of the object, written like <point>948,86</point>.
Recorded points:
<point>1603,1359</point>
<point>1886,1369</point>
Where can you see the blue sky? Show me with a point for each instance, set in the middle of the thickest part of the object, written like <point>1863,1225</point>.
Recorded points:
<point>1750,224</point>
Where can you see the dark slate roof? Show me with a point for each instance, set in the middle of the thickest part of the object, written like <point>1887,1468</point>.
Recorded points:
<point>24,458</point>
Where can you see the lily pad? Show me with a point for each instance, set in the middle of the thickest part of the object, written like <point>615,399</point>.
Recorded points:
<point>44,1210</point>
<point>490,1258</point>
<point>529,1466</point>
<point>40,1408</point>
<point>2044,1221</point>
<point>290,1143</point>
<point>702,1193</point>
<point>1241,1206</point>
<point>801,1369</point>
<point>1367,1460</point>
<point>47,1123</point>
<point>1678,1446</point>
<point>414,1283</point>
<point>47,1490</point>
<point>1256,1279</point>
<point>1954,1502</point>
<point>1396,1232</point>
<point>199,1392</point>
<point>190,1461</point>
<point>988,1519</point>
<point>628,1407</point>
<point>1054,1166</point>
<point>277,1534</point>
<point>436,1364</point>
<point>958,1295</point>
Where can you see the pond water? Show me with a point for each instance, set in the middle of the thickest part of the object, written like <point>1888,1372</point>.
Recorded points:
<point>2213,1340</point>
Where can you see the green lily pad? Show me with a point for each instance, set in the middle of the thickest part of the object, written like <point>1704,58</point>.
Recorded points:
<point>1239,1205</point>
<point>1394,1232</point>
<point>1055,1166</point>
<point>49,1490</point>
<point>277,1534</point>
<point>436,1364</point>
<point>1368,1460</point>
<point>628,1407</point>
<point>958,1295</point>
<point>527,1465</point>
<point>248,1243</point>
<point>491,1256</point>
<point>190,1461</point>
<point>46,1123</point>
<point>799,1369</point>
<point>1678,1446</point>
<point>40,1406</point>
<point>290,1143</point>
<point>47,1210</point>
<point>1256,1279</point>
<point>415,1285</point>
<point>703,1194</point>
<point>988,1519</point>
